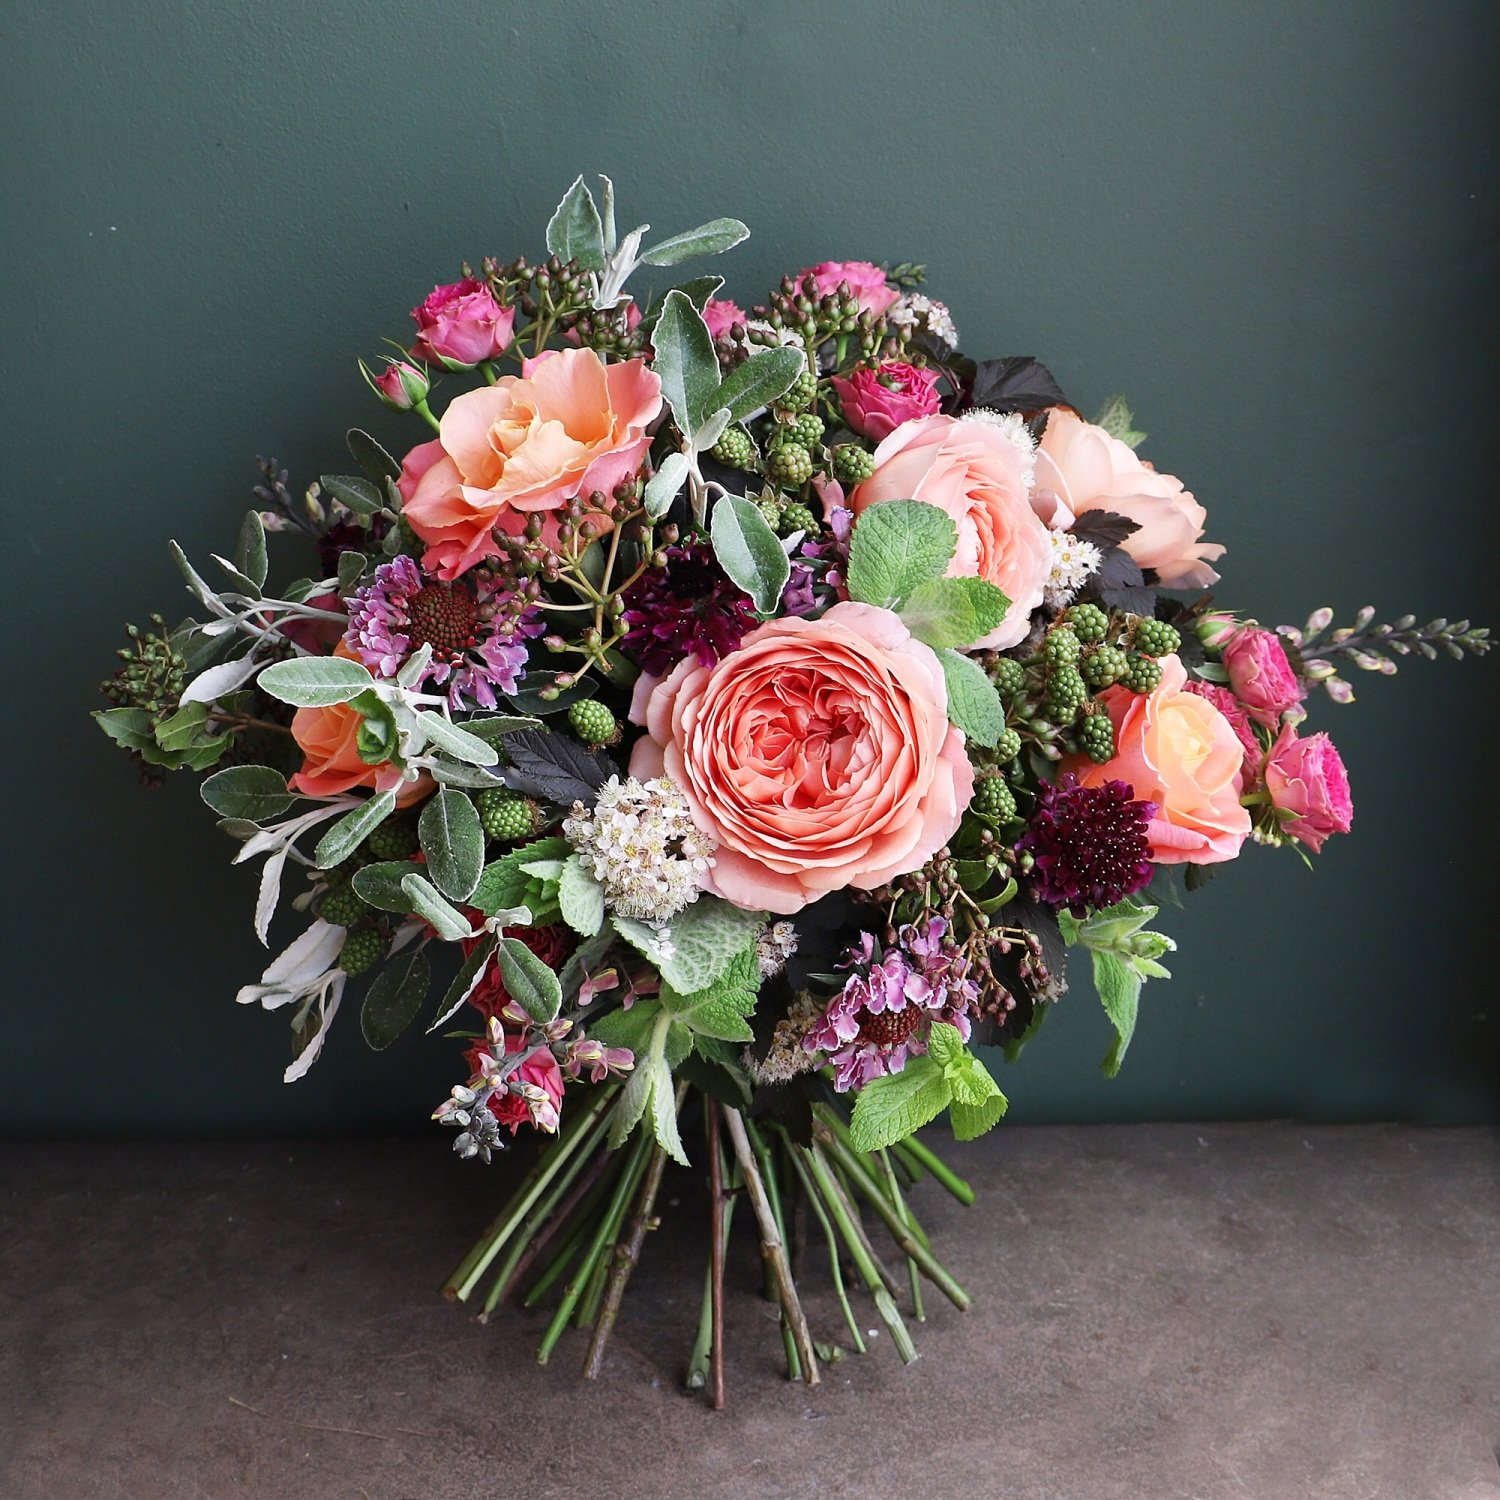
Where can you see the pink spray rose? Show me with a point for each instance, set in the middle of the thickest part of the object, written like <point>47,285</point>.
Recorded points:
<point>1261,675</point>
<point>1087,469</point>
<point>871,290</point>
<point>1306,777</point>
<point>977,475</point>
<point>461,324</point>
<point>819,755</point>
<point>721,316</point>
<point>528,443</point>
<point>877,401</point>
<point>540,1071</point>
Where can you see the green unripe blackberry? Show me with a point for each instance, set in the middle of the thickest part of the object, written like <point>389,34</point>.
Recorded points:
<point>1009,676</point>
<point>790,464</point>
<point>851,464</point>
<point>994,799</point>
<point>1089,622</point>
<point>802,392</point>
<point>1008,746</point>
<point>345,871</point>
<point>362,950</point>
<point>593,723</point>
<point>797,517</point>
<point>1104,665</point>
<point>505,816</point>
<point>396,838</point>
<point>806,430</point>
<point>1156,638</point>
<point>1066,694</point>
<point>343,907</point>
<point>1060,649</point>
<point>1098,737</point>
<point>1142,674</point>
<point>770,510</point>
<point>735,448</point>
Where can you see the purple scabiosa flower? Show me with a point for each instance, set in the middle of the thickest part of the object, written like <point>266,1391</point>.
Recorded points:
<point>1089,844</point>
<point>889,1002</point>
<point>688,608</point>
<point>818,567</point>
<point>477,633</point>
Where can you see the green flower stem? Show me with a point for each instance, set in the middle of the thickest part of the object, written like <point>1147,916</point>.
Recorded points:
<point>773,1196</point>
<point>910,1245</point>
<point>847,1220</point>
<point>945,1175</point>
<point>809,1189</point>
<point>911,1169</point>
<point>698,1361</point>
<point>487,369</point>
<point>913,1271</point>
<point>720,1207</point>
<point>462,1282</point>
<point>859,1163</point>
<point>609,1227</point>
<point>425,412</point>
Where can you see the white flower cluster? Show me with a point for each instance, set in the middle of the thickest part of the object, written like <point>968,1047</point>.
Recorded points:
<point>915,311</point>
<point>1072,563</point>
<point>774,946</point>
<point>641,844</point>
<point>1014,430</point>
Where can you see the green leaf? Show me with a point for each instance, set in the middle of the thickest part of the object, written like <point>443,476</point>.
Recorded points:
<point>701,942</point>
<point>250,552</point>
<point>465,980</point>
<point>1118,421</point>
<point>631,1105</point>
<point>720,1009</point>
<point>378,738</point>
<point>897,546</point>
<point>1113,927</point>
<point>130,727</point>
<point>394,999</point>
<point>1119,988</point>
<point>581,898</point>
<point>713,238</point>
<point>954,611</point>
<point>352,567</point>
<point>664,1111</point>
<point>973,703</point>
<point>351,830</point>
<point>452,838</point>
<point>627,1028</point>
<point>575,231</point>
<point>945,1044</point>
<point>497,726</point>
<point>889,1109</point>
<point>380,884</point>
<point>371,457</point>
<point>686,362</point>
<point>246,586</point>
<point>426,901</point>
<point>969,1121</point>
<point>357,494</point>
<point>504,883</point>
<point>699,291</point>
<point>253,792</point>
<point>195,582</point>
<point>458,743</point>
<point>315,681</point>
<point>749,552</point>
<point>663,486</point>
<point>179,730</point>
<point>760,380</point>
<point>529,982</point>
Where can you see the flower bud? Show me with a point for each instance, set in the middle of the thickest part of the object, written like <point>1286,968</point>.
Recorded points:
<point>400,386</point>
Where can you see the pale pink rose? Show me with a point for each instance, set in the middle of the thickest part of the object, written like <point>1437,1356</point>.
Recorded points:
<point>1307,778</point>
<point>721,316</point>
<point>974,473</point>
<point>1239,721</point>
<point>527,444</point>
<point>1176,749</point>
<point>461,324</point>
<point>1261,675</point>
<point>867,282</point>
<point>877,401</point>
<point>819,755</point>
<point>1087,469</point>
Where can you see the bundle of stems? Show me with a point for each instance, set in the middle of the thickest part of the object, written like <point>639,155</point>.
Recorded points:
<point>578,1221</point>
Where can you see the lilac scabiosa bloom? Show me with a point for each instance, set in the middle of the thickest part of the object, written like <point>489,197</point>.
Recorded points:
<point>688,608</point>
<point>1089,844</point>
<point>888,1004</point>
<point>477,630</point>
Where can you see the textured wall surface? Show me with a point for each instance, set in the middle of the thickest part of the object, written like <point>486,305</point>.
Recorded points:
<point>1272,225</point>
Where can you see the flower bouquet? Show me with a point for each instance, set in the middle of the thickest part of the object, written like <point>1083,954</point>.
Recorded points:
<point>719,725</point>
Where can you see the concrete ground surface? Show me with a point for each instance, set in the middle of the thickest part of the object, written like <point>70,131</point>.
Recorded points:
<point>1167,1311</point>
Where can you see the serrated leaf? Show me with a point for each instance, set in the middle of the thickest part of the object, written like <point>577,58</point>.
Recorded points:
<point>973,703</point>
<point>720,1009</point>
<point>631,1105</point>
<point>686,363</point>
<point>429,903</point>
<point>528,981</point>
<point>504,883</point>
<point>253,792</point>
<point>352,829</point>
<point>1116,418</point>
<point>354,493</point>
<point>712,238</point>
<point>664,1111</point>
<point>1103,528</point>
<point>581,898</point>
<point>380,884</point>
<point>554,767</point>
<point>315,681</point>
<point>760,380</point>
<point>1020,384</point>
<point>392,1002</point>
<point>1119,988</point>
<point>891,1108</point>
<point>627,1028</point>
<point>575,231</point>
<point>897,546</point>
<point>749,551</point>
<point>945,1044</point>
<point>970,1121</point>
<point>250,551</point>
<point>698,945</point>
<point>452,838</point>
<point>946,612</point>
<point>663,486</point>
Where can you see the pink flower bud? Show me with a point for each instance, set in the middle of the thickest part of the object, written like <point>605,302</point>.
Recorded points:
<point>1214,630</point>
<point>400,385</point>
<point>461,324</point>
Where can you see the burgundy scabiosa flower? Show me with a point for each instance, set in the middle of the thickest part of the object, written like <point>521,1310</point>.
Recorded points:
<point>688,608</point>
<point>477,630</point>
<point>1089,844</point>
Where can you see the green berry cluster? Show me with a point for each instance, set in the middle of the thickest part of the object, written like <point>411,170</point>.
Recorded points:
<point>1142,674</point>
<point>790,464</point>
<point>806,430</point>
<point>1103,666</point>
<point>735,448</point>
<point>506,816</point>
<point>1008,675</point>
<point>802,393</point>
<point>797,517</point>
<point>852,464</point>
<point>153,675</point>
<point>593,723</point>
<point>1097,735</point>
<point>1066,694</point>
<point>396,838</point>
<point>343,906</point>
<point>362,949</point>
<point>1155,637</point>
<point>1060,648</point>
<point>994,799</point>
<point>1007,746</point>
<point>1089,622</point>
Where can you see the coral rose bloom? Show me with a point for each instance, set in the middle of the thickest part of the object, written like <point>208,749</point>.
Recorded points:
<point>974,473</point>
<point>819,755</point>
<point>526,444</point>
<point>1176,750</point>
<point>1087,469</point>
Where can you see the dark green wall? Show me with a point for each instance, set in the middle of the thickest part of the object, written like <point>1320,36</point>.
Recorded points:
<point>1271,224</point>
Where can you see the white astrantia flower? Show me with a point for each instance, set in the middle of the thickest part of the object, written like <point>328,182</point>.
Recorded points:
<point>1073,561</point>
<point>641,844</point>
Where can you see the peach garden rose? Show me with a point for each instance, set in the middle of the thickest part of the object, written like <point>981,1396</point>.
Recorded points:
<point>819,755</point>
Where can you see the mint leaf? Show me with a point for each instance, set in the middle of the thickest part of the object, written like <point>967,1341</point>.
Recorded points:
<point>973,703</point>
<point>1118,421</point>
<point>889,1109</point>
<point>664,1111</point>
<point>581,898</point>
<point>945,1044</point>
<point>627,1028</point>
<point>504,883</point>
<point>954,611</point>
<point>698,945</point>
<point>720,1009</point>
<point>749,551</point>
<point>1119,989</point>
<point>970,1121</point>
<point>897,546</point>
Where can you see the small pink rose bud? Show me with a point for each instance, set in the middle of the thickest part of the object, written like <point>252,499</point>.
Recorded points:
<point>461,325</point>
<point>877,401</point>
<point>1214,630</point>
<point>401,385</point>
<point>1261,675</point>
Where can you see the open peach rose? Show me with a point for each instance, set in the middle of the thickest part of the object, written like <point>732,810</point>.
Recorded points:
<point>571,426</point>
<point>977,475</point>
<point>819,755</point>
<point>1087,469</point>
<point>1177,750</point>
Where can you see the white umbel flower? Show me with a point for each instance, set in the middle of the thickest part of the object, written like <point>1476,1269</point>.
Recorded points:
<point>641,844</point>
<point>1073,561</point>
<point>914,311</point>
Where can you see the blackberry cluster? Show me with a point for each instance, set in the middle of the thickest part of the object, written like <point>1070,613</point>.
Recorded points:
<point>1061,648</point>
<point>735,448</point>
<point>797,517</point>
<point>1066,694</point>
<point>396,838</point>
<point>506,816</point>
<point>593,723</point>
<point>1008,675</point>
<point>362,950</point>
<point>1155,637</point>
<point>790,464</point>
<point>343,906</point>
<point>1097,735</point>
<point>1104,665</point>
<point>1142,674</point>
<point>1008,746</point>
<point>1089,622</point>
<point>994,799</point>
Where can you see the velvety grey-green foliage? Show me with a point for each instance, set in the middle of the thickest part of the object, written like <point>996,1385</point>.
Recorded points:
<point>1270,226</point>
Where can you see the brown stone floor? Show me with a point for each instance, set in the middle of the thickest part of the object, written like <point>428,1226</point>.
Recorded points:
<point>1257,1311</point>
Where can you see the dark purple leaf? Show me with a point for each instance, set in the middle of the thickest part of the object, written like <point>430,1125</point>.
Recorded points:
<point>554,767</point>
<point>1018,384</point>
<point>1104,528</point>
